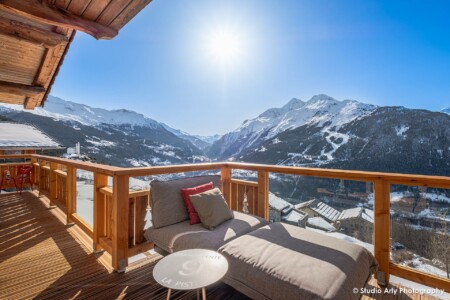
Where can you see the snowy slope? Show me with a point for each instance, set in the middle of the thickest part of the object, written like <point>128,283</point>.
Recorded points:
<point>118,137</point>
<point>62,110</point>
<point>320,111</point>
<point>446,110</point>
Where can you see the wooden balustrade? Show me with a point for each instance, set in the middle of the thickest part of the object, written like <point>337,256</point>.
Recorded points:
<point>119,214</point>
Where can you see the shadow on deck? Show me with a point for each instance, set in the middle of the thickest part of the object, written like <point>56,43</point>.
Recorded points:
<point>42,258</point>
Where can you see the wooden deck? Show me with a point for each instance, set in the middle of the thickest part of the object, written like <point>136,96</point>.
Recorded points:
<point>42,258</point>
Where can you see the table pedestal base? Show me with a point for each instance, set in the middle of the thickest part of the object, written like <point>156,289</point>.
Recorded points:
<point>169,292</point>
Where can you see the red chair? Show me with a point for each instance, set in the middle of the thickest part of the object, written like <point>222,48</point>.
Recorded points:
<point>23,176</point>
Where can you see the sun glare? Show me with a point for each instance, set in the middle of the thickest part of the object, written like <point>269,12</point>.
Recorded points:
<point>225,47</point>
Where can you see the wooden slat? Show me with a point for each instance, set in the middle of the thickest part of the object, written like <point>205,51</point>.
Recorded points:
<point>263,194</point>
<point>234,196</point>
<point>382,226</point>
<point>20,60</point>
<point>250,199</point>
<point>61,3</point>
<point>112,11</point>
<point>131,217</point>
<point>119,223</point>
<point>71,182</point>
<point>100,181</point>
<point>245,182</point>
<point>40,11</point>
<point>142,203</point>
<point>133,8</point>
<point>95,8</point>
<point>240,197</point>
<point>226,185</point>
<point>53,182</point>
<point>78,7</point>
<point>30,33</point>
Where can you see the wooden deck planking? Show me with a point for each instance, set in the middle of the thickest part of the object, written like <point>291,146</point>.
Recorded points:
<point>42,258</point>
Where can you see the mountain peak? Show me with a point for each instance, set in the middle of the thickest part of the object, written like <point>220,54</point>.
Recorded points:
<point>321,97</point>
<point>294,103</point>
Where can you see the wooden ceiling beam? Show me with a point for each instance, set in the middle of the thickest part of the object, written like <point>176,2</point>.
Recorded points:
<point>30,33</point>
<point>20,89</point>
<point>41,11</point>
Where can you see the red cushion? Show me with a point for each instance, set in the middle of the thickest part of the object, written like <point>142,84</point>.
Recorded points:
<point>193,216</point>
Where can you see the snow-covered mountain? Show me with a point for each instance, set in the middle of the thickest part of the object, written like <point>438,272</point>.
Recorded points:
<point>446,110</point>
<point>325,132</point>
<point>320,111</point>
<point>201,142</point>
<point>62,110</point>
<point>119,137</point>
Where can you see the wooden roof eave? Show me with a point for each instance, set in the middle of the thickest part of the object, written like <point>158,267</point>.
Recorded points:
<point>42,31</point>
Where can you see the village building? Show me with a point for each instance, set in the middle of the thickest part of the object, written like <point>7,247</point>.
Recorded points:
<point>282,211</point>
<point>356,222</point>
<point>16,138</point>
<point>321,224</point>
<point>315,208</point>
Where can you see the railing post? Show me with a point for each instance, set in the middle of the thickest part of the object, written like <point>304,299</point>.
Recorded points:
<point>41,182</point>
<point>263,195</point>
<point>100,181</point>
<point>226,184</point>
<point>34,178</point>
<point>119,222</point>
<point>71,190</point>
<point>382,202</point>
<point>53,182</point>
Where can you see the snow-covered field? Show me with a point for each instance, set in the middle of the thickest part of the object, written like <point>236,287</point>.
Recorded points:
<point>397,196</point>
<point>85,193</point>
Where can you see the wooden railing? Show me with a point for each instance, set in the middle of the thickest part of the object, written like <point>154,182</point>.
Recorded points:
<point>119,213</point>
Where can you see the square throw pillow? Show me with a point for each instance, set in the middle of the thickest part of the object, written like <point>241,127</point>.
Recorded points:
<point>193,216</point>
<point>212,208</point>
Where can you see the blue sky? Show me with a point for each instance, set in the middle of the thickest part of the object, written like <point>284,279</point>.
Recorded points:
<point>161,64</point>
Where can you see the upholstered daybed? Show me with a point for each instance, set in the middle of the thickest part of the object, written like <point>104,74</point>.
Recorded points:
<point>266,261</point>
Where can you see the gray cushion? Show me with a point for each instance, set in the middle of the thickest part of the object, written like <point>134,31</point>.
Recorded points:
<point>166,201</point>
<point>211,208</point>
<point>281,261</point>
<point>182,236</point>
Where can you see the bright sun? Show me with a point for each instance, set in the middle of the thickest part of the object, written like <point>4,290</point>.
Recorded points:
<point>225,47</point>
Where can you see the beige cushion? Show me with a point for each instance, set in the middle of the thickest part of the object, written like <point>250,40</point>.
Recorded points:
<point>167,202</point>
<point>281,261</point>
<point>211,208</point>
<point>183,236</point>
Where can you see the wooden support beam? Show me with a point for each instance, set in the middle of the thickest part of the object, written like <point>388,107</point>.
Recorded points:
<point>20,89</point>
<point>42,12</point>
<point>382,223</point>
<point>71,188</point>
<point>226,185</point>
<point>100,181</point>
<point>30,33</point>
<point>263,195</point>
<point>119,222</point>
